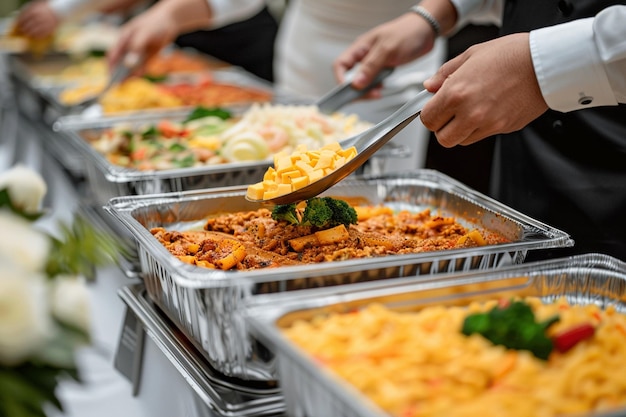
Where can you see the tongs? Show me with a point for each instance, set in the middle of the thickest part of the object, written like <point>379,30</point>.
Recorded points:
<point>121,71</point>
<point>366,144</point>
<point>345,93</point>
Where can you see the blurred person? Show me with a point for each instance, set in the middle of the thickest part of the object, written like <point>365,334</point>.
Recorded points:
<point>314,32</point>
<point>41,18</point>
<point>553,86</point>
<point>240,32</point>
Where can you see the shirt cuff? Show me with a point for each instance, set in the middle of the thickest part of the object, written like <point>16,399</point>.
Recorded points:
<point>225,12</point>
<point>568,67</point>
<point>66,8</point>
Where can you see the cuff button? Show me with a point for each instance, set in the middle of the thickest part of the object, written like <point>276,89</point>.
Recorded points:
<point>585,100</point>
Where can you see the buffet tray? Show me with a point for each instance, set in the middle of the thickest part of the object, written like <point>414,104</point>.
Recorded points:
<point>108,180</point>
<point>222,395</point>
<point>311,391</point>
<point>207,304</point>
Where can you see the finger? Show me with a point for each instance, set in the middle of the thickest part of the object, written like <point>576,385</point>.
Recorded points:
<point>371,65</point>
<point>348,59</point>
<point>434,83</point>
<point>437,112</point>
<point>456,132</point>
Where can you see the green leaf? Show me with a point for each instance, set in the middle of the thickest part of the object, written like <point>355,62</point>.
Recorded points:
<point>80,249</point>
<point>201,112</point>
<point>5,201</point>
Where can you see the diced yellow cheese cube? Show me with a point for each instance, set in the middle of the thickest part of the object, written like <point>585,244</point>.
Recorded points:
<point>300,182</point>
<point>316,175</point>
<point>270,174</point>
<point>255,191</point>
<point>325,160</point>
<point>304,167</point>
<point>284,189</point>
<point>286,176</point>
<point>270,194</point>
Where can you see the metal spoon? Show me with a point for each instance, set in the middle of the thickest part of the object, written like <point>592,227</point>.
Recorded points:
<point>345,93</point>
<point>366,144</point>
<point>121,71</point>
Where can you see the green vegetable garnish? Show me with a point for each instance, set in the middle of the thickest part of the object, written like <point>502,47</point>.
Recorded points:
<point>286,212</point>
<point>154,78</point>
<point>514,327</point>
<point>185,162</point>
<point>151,132</point>
<point>320,212</point>
<point>177,147</point>
<point>201,112</point>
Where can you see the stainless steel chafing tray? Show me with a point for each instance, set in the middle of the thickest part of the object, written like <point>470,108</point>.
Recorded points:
<point>313,392</point>
<point>218,395</point>
<point>207,304</point>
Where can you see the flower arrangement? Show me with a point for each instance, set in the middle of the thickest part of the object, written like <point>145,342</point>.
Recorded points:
<point>44,306</point>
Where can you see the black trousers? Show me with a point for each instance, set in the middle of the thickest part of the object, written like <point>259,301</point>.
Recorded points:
<point>248,44</point>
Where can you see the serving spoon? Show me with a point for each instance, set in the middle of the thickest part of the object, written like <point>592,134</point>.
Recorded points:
<point>121,71</point>
<point>366,144</point>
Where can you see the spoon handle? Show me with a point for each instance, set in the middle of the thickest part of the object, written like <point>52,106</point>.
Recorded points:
<point>345,93</point>
<point>382,132</point>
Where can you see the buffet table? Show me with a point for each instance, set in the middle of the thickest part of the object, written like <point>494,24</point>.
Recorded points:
<point>136,355</point>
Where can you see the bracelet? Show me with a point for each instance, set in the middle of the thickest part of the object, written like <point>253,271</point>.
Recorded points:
<point>428,17</point>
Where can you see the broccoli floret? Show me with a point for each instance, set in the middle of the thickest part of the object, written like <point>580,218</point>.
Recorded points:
<point>317,213</point>
<point>343,213</point>
<point>327,212</point>
<point>286,212</point>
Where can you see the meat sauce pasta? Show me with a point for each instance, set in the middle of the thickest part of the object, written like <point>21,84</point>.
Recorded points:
<point>254,240</point>
<point>419,363</point>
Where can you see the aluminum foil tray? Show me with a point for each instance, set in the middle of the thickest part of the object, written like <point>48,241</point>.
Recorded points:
<point>224,396</point>
<point>312,392</point>
<point>207,304</point>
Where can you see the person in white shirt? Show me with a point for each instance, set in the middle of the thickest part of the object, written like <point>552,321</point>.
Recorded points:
<point>240,32</point>
<point>554,83</point>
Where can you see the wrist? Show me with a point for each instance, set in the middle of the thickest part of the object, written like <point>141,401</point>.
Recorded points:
<point>428,17</point>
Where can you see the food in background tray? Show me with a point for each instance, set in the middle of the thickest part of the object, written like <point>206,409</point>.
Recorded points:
<point>320,230</point>
<point>93,71</point>
<point>213,136</point>
<point>427,362</point>
<point>139,93</point>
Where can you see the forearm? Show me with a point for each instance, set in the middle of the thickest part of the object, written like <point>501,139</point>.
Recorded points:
<point>187,15</point>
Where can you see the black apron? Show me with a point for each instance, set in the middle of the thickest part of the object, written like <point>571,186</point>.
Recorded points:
<point>566,169</point>
<point>248,44</point>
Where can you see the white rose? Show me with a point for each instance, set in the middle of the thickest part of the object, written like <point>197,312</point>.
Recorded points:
<point>70,302</point>
<point>26,188</point>
<point>25,322</point>
<point>21,244</point>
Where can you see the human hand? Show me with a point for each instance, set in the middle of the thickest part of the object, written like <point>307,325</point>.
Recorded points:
<point>144,36</point>
<point>37,20</point>
<point>388,45</point>
<point>491,88</point>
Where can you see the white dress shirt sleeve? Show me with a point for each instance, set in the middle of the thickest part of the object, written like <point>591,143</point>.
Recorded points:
<point>71,9</point>
<point>226,12</point>
<point>478,12</point>
<point>582,63</point>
